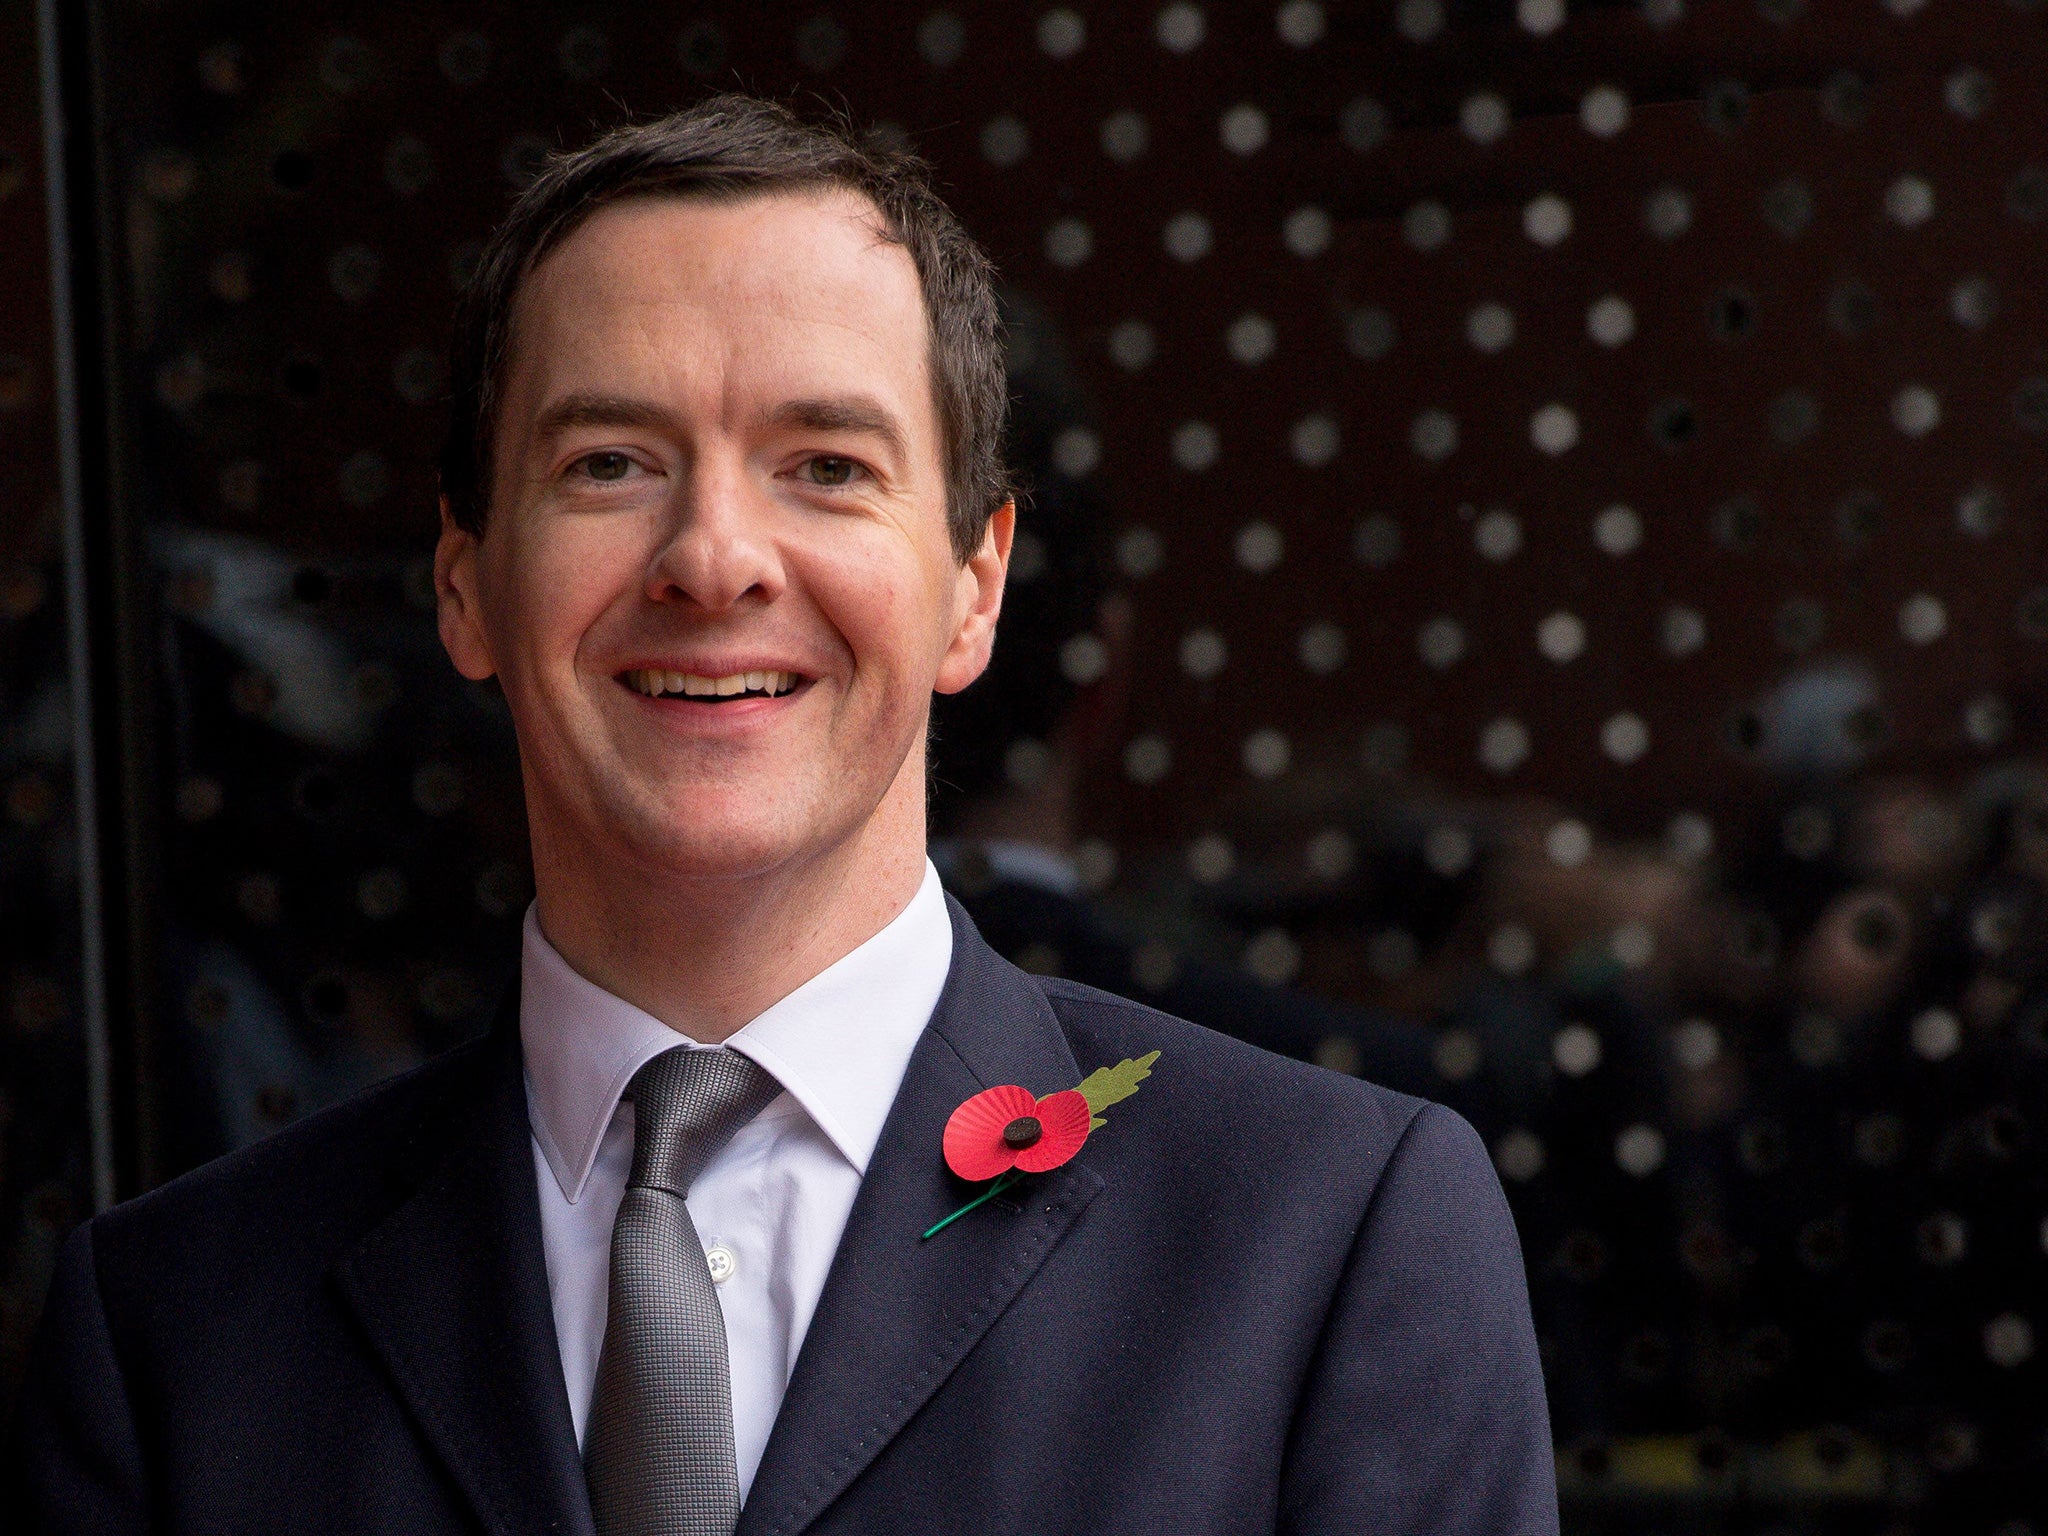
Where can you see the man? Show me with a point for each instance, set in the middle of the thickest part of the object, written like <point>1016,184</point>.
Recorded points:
<point>669,1249</point>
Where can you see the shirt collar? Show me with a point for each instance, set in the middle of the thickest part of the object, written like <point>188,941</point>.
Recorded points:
<point>839,1044</point>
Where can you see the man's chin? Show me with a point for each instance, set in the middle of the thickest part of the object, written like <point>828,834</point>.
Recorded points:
<point>711,841</point>
<point>721,826</point>
<point>712,853</point>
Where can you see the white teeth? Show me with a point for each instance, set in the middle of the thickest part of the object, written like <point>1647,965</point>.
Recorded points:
<point>655,682</point>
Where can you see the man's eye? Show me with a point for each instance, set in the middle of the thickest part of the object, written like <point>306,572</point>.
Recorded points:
<point>830,471</point>
<point>607,466</point>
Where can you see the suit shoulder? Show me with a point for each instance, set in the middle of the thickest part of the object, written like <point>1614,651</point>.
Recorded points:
<point>1286,1097</point>
<point>327,1166</point>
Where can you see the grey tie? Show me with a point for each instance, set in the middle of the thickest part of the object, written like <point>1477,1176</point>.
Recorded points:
<point>658,1454</point>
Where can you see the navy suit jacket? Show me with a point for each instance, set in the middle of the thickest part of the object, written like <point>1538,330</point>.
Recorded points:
<point>1264,1297</point>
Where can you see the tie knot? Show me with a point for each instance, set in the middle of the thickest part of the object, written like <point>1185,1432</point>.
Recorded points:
<point>687,1104</point>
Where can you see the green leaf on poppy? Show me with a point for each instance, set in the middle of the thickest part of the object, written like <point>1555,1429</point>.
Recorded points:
<point>1111,1085</point>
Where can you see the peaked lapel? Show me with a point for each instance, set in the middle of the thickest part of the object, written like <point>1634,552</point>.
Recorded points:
<point>899,1314</point>
<point>452,1289</point>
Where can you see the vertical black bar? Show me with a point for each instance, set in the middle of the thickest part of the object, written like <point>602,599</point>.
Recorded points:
<point>108,681</point>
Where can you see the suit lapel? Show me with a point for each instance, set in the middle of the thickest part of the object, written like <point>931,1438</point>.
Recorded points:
<point>452,1289</point>
<point>899,1314</point>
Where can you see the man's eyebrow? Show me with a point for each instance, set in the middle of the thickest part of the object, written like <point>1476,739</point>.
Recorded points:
<point>594,410</point>
<point>842,413</point>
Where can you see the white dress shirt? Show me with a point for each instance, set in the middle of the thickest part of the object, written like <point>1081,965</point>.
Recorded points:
<point>770,1207</point>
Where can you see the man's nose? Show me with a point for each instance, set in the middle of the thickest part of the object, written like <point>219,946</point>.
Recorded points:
<point>719,549</point>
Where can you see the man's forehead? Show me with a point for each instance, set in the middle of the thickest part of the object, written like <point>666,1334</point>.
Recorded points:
<point>798,301</point>
<point>810,242</point>
<point>781,283</point>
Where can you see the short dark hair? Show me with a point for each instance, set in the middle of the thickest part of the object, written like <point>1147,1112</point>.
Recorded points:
<point>724,148</point>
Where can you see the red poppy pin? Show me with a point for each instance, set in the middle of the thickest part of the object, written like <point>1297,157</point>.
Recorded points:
<point>1003,1133</point>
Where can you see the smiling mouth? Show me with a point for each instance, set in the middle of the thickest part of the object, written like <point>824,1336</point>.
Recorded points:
<point>657,684</point>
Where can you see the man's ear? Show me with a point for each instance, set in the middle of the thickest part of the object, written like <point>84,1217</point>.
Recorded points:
<point>456,599</point>
<point>978,598</point>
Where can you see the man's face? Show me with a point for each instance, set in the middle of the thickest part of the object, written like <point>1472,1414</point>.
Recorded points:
<point>716,581</point>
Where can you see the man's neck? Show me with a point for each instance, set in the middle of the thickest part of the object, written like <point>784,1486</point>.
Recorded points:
<point>707,956</point>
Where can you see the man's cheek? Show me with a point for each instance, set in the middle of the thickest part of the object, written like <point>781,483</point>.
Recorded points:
<point>564,588</point>
<point>880,602</point>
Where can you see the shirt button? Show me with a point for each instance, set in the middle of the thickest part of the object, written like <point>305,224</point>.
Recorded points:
<point>719,1259</point>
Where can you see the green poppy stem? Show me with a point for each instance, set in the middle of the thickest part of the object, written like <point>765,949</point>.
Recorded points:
<point>1003,1182</point>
